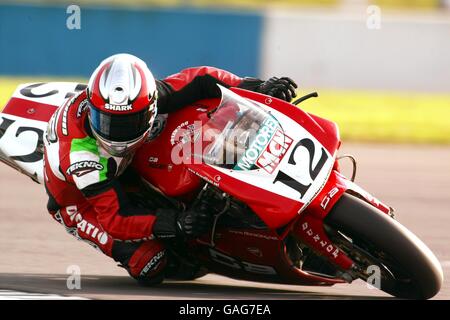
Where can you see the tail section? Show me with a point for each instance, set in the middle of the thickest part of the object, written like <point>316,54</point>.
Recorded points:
<point>23,122</point>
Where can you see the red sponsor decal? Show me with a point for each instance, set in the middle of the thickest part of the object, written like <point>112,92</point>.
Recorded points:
<point>275,150</point>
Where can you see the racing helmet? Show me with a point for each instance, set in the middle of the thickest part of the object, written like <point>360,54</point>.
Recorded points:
<point>121,97</point>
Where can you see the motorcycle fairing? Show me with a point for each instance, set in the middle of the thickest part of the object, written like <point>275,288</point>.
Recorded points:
<point>299,176</point>
<point>309,228</point>
<point>38,101</point>
<point>21,142</point>
<point>259,256</point>
<point>23,123</point>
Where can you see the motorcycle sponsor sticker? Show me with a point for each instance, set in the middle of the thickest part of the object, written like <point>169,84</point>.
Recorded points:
<point>267,149</point>
<point>326,200</point>
<point>215,182</point>
<point>331,250</point>
<point>175,132</point>
<point>236,264</point>
<point>259,143</point>
<point>84,167</point>
<point>274,152</point>
<point>186,132</point>
<point>255,235</point>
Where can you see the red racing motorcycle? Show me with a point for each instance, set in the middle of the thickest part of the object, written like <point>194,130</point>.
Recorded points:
<point>283,211</point>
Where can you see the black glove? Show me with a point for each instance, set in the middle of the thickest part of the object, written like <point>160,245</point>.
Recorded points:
<point>282,88</point>
<point>194,223</point>
<point>190,223</point>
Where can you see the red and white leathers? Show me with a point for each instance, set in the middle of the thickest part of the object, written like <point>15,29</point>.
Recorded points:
<point>81,178</point>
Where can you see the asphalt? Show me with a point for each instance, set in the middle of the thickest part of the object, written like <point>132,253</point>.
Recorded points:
<point>37,255</point>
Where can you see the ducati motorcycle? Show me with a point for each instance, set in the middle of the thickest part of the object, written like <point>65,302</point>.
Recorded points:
<point>269,171</point>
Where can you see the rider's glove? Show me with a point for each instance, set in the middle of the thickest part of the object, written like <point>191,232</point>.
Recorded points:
<point>194,223</point>
<point>282,88</point>
<point>190,223</point>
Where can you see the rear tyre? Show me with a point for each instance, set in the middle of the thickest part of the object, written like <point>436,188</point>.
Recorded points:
<point>408,267</point>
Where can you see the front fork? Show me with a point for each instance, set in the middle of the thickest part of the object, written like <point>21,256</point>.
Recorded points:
<point>309,226</point>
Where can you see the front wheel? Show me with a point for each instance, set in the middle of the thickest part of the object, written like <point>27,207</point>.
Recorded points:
<point>408,267</point>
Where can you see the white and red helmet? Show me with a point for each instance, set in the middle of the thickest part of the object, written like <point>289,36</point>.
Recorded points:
<point>122,98</point>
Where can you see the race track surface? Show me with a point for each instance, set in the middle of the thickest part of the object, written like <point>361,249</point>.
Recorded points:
<point>37,252</point>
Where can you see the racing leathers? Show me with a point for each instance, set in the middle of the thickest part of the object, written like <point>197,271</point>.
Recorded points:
<point>82,179</point>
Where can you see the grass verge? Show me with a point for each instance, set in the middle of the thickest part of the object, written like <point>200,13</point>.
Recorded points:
<point>386,117</point>
<point>361,116</point>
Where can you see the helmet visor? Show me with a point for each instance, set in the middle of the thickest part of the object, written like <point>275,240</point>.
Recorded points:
<point>121,127</point>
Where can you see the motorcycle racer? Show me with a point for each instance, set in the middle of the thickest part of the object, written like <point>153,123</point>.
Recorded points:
<point>91,140</point>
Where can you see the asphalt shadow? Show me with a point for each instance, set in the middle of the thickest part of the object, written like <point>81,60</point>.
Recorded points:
<point>123,287</point>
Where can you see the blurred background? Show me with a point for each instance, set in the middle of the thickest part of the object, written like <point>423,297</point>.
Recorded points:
<point>382,68</point>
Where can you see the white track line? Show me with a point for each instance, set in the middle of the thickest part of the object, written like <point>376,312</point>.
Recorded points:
<point>445,264</point>
<point>17,295</point>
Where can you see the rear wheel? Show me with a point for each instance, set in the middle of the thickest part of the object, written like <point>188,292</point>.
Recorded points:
<point>407,267</point>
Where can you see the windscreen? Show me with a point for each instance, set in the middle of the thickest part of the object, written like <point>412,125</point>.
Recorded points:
<point>240,132</point>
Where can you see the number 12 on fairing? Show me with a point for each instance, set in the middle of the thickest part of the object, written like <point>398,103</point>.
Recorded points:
<point>313,171</point>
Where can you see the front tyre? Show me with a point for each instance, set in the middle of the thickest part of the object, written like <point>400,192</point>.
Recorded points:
<point>408,267</point>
